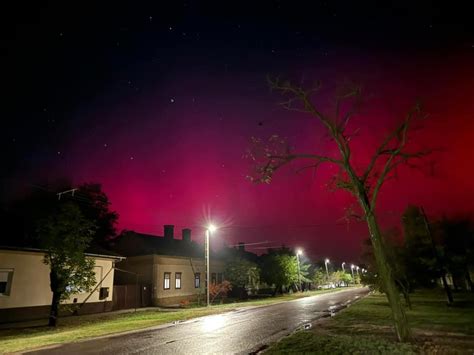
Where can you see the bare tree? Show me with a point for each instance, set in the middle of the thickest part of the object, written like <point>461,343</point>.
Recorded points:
<point>364,183</point>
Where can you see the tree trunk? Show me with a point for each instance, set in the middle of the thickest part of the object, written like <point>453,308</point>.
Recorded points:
<point>407,299</point>
<point>455,283</point>
<point>469,280</point>
<point>388,281</point>
<point>53,314</point>
<point>447,289</point>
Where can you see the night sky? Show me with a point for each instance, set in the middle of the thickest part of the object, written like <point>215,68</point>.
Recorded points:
<point>158,103</point>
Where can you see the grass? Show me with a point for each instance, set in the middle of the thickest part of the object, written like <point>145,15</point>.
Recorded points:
<point>366,328</point>
<point>83,327</point>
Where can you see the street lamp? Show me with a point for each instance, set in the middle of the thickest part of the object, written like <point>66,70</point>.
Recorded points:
<point>298,253</point>
<point>210,229</point>
<point>326,262</point>
<point>357,268</point>
<point>352,270</point>
<point>343,270</point>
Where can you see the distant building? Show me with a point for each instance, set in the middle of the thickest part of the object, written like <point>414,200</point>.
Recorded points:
<point>24,285</point>
<point>167,270</point>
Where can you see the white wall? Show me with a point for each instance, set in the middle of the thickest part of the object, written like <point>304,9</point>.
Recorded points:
<point>30,282</point>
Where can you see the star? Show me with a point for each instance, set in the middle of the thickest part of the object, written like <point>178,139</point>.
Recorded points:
<point>172,100</point>
<point>59,153</point>
<point>105,145</point>
<point>150,18</point>
<point>131,158</point>
<point>170,28</point>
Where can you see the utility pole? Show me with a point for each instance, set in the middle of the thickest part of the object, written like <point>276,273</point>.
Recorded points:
<point>298,253</point>
<point>439,260</point>
<point>207,267</point>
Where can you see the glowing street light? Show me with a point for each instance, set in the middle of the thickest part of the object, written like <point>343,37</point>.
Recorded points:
<point>326,262</point>
<point>298,253</point>
<point>357,268</point>
<point>343,270</point>
<point>210,229</point>
<point>352,270</point>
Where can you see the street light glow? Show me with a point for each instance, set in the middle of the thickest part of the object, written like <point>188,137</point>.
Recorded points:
<point>212,228</point>
<point>352,266</point>
<point>326,261</point>
<point>299,251</point>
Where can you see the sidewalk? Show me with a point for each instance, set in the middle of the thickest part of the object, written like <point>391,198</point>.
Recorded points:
<point>72,318</point>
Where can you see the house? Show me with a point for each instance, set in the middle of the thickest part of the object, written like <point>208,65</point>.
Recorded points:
<point>166,270</point>
<point>24,285</point>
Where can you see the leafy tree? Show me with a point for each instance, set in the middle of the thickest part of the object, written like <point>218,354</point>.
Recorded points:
<point>95,206</point>
<point>339,277</point>
<point>346,278</point>
<point>363,182</point>
<point>457,236</point>
<point>42,201</point>
<point>304,275</point>
<point>65,235</point>
<point>242,273</point>
<point>280,270</point>
<point>319,278</point>
<point>424,259</point>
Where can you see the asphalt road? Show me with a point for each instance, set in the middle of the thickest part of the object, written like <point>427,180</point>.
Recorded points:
<point>238,332</point>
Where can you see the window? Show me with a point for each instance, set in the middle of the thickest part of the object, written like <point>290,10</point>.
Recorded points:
<point>6,276</point>
<point>213,278</point>
<point>197,280</point>
<point>219,278</point>
<point>177,280</point>
<point>166,280</point>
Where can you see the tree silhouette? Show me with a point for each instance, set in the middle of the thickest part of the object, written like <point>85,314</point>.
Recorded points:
<point>65,235</point>
<point>364,183</point>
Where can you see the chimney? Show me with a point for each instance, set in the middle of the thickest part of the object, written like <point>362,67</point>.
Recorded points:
<point>241,246</point>
<point>187,235</point>
<point>169,231</point>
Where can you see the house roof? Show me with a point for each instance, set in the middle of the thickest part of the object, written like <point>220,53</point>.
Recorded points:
<point>42,251</point>
<point>131,243</point>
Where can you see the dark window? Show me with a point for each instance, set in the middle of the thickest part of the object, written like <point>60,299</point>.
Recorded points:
<point>177,280</point>
<point>219,278</point>
<point>6,276</point>
<point>197,280</point>
<point>103,293</point>
<point>166,280</point>
<point>213,278</point>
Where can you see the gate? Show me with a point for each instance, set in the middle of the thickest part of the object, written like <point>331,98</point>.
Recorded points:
<point>131,296</point>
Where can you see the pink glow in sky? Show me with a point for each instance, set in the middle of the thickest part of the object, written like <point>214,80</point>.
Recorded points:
<point>174,154</point>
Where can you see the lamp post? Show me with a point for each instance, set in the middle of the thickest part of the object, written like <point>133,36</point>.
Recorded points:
<point>298,253</point>
<point>326,262</point>
<point>357,269</point>
<point>352,270</point>
<point>211,228</point>
<point>343,270</point>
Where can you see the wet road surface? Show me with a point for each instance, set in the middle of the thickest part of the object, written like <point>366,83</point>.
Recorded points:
<point>237,332</point>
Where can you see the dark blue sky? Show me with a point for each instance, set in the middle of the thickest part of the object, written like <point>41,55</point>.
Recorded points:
<point>157,102</point>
